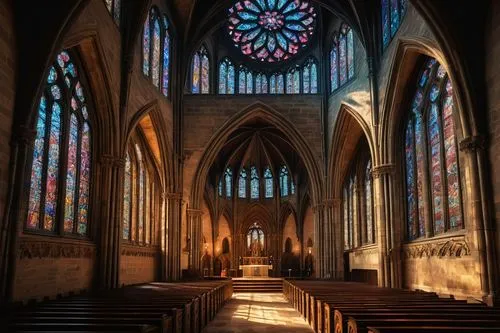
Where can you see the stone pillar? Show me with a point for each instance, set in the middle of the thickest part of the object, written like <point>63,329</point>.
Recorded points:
<point>331,256</point>
<point>21,150</point>
<point>319,240</point>
<point>194,219</point>
<point>474,147</point>
<point>382,175</point>
<point>111,194</point>
<point>172,271</point>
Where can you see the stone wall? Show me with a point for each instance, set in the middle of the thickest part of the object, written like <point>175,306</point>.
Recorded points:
<point>139,264</point>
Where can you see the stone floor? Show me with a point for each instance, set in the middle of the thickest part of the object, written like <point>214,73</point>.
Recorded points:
<point>257,313</point>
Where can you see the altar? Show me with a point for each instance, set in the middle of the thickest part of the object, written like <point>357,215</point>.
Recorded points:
<point>255,266</point>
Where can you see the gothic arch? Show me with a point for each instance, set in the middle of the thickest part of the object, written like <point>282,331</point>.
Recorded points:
<point>408,52</point>
<point>287,210</point>
<point>349,128</point>
<point>257,212</point>
<point>253,111</point>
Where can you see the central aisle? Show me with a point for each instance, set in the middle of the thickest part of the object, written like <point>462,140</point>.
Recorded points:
<point>253,312</point>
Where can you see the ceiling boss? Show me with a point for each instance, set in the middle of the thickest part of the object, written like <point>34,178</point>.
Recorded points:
<point>271,30</point>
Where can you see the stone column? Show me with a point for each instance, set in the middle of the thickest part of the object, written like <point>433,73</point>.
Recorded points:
<point>21,150</point>
<point>173,202</point>
<point>319,241</point>
<point>473,148</point>
<point>331,256</point>
<point>381,180</point>
<point>194,218</point>
<point>111,194</point>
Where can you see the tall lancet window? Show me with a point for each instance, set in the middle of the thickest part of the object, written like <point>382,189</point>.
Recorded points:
<point>242,184</point>
<point>393,12</point>
<point>254,183</point>
<point>370,230</point>
<point>342,58</point>
<point>226,77</point>
<point>310,77</point>
<point>284,181</point>
<point>268,183</point>
<point>61,169</point>
<point>156,45</point>
<point>431,156</point>
<point>200,72</point>
<point>228,179</point>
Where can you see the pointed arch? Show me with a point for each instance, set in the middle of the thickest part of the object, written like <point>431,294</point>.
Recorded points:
<point>262,111</point>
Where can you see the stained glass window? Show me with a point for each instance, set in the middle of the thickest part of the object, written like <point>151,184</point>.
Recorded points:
<point>284,181</point>
<point>242,184</point>
<point>63,140</point>
<point>310,77</point>
<point>268,183</point>
<point>431,155</point>
<point>226,77</point>
<point>342,58</point>
<point>245,80</point>
<point>114,8</point>
<point>392,12</point>
<point>254,183</point>
<point>271,31</point>
<point>261,84</point>
<point>293,81</point>
<point>228,179</point>
<point>276,84</point>
<point>127,198</point>
<point>200,71</point>
<point>156,48</point>
<point>370,236</point>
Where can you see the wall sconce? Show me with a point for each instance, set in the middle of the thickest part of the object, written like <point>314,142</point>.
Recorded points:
<point>309,250</point>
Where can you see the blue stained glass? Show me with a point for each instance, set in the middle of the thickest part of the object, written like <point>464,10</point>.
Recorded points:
<point>195,84</point>
<point>116,11</point>
<point>84,194</point>
<point>220,188</point>
<point>434,93</point>
<point>280,85</point>
<point>284,181</point>
<point>228,177</point>
<point>249,83</point>
<point>292,187</point>
<point>52,75</point>
<point>314,79</point>
<point>296,82</point>
<point>56,92</point>
<point>254,183</point>
<point>334,69</point>
<point>155,58</point>
<point>434,130</point>
<point>350,54</point>
<point>386,31</point>
<point>70,69</point>
<point>230,79</point>
<point>272,83</point>
<point>127,198</point>
<point>242,184</point>
<point>258,84</point>
<point>242,82</point>
<point>306,80</point>
<point>146,44</point>
<point>343,59</point>
<point>394,17</point>
<point>223,78</point>
<point>282,26</point>
<point>205,72</point>
<point>268,176</point>
<point>166,64</point>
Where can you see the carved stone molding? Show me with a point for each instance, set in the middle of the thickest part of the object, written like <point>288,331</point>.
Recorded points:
<point>444,248</point>
<point>473,143</point>
<point>332,202</point>
<point>384,169</point>
<point>46,249</point>
<point>173,196</point>
<point>133,251</point>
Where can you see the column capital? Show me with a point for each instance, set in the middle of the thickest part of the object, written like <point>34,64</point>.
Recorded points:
<point>318,207</point>
<point>173,196</point>
<point>191,212</point>
<point>110,161</point>
<point>383,169</point>
<point>473,143</point>
<point>335,202</point>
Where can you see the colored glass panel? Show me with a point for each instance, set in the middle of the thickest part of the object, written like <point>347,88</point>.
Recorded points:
<point>306,78</point>
<point>166,64</point>
<point>127,198</point>
<point>254,183</point>
<point>271,31</point>
<point>272,84</point>
<point>146,45</point>
<point>334,69</point>
<point>420,155</point>
<point>314,79</point>
<point>284,181</point>
<point>280,84</point>
<point>85,164</point>
<point>223,78</point>
<point>196,74</point>
<point>451,158</point>
<point>342,59</point>
<point>205,72</point>
<point>35,196</point>
<point>116,11</point>
<point>411,185</point>
<point>52,168</point>
<point>242,184</point>
<point>242,79</point>
<point>69,204</point>
<point>228,177</point>
<point>434,132</point>
<point>155,58</point>
<point>369,204</point>
<point>269,188</point>
<point>350,54</point>
<point>230,78</point>
<point>249,83</point>
<point>394,16</point>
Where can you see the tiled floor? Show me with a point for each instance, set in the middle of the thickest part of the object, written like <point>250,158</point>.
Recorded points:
<point>257,313</point>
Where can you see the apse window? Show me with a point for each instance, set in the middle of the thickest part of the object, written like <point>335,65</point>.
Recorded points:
<point>156,48</point>
<point>393,12</point>
<point>200,72</point>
